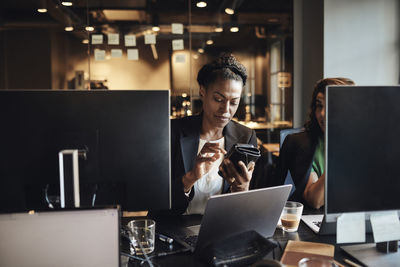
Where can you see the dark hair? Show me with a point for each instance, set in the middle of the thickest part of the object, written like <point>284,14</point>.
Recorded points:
<point>225,67</point>
<point>312,125</point>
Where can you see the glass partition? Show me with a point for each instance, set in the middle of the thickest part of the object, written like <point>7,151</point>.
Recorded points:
<point>152,44</point>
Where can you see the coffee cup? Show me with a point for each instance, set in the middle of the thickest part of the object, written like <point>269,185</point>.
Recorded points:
<point>291,215</point>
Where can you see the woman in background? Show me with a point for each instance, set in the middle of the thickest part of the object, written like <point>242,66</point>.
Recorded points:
<point>303,154</point>
<point>198,143</point>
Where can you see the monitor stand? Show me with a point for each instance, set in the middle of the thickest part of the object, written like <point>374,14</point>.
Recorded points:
<point>69,177</point>
<point>388,247</point>
<point>369,255</point>
<point>329,228</point>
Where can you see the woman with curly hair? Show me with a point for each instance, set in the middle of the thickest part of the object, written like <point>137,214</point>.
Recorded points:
<point>303,154</point>
<point>198,143</point>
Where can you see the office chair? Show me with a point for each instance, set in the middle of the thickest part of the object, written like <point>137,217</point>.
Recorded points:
<point>282,135</point>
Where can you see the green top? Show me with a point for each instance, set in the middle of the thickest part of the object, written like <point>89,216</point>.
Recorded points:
<point>318,164</point>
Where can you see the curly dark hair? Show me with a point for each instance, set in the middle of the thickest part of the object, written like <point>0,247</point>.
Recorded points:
<point>225,67</point>
<point>312,125</point>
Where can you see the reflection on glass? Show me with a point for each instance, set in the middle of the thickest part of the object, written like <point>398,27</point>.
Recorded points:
<point>259,35</point>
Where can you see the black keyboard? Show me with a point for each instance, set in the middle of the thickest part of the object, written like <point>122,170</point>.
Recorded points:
<point>191,240</point>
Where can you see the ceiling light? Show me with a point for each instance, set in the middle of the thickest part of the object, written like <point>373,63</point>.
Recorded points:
<point>66,3</point>
<point>229,11</point>
<point>209,42</point>
<point>234,24</point>
<point>201,4</point>
<point>195,56</point>
<point>200,50</point>
<point>89,28</point>
<point>230,7</point>
<point>85,41</point>
<point>234,29</point>
<point>219,29</point>
<point>184,95</point>
<point>68,24</point>
<point>42,6</point>
<point>155,23</point>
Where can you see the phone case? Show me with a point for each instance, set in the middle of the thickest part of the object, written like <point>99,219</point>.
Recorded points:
<point>243,152</point>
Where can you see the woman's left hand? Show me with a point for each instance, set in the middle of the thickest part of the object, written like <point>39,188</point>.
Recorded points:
<point>239,181</point>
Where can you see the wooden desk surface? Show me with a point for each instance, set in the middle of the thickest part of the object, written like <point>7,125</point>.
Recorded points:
<point>273,148</point>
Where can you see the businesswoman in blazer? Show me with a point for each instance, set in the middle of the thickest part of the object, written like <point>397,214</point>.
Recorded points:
<point>198,143</point>
<point>303,154</point>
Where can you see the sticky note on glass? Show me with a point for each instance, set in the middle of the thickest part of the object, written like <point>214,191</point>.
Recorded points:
<point>177,28</point>
<point>350,228</point>
<point>97,38</point>
<point>130,40</point>
<point>116,52</point>
<point>113,39</point>
<point>99,54</point>
<point>177,44</point>
<point>133,54</point>
<point>150,39</point>
<point>385,226</point>
<point>180,58</point>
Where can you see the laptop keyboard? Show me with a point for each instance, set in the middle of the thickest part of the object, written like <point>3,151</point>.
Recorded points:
<point>191,240</point>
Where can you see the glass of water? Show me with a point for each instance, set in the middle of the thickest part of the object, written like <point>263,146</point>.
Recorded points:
<point>142,233</point>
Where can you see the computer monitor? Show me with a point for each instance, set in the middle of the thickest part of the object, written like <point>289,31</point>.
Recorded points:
<point>126,134</point>
<point>62,238</point>
<point>362,149</point>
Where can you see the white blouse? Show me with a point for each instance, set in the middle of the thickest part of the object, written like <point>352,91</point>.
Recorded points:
<point>208,185</point>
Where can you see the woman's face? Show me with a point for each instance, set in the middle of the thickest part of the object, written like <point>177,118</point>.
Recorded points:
<point>220,101</point>
<point>320,110</point>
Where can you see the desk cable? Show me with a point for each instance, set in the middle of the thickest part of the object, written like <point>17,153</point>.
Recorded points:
<point>278,245</point>
<point>46,197</point>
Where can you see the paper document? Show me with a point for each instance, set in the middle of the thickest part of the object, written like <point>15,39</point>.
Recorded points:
<point>113,39</point>
<point>385,226</point>
<point>116,52</point>
<point>149,38</point>
<point>177,44</point>
<point>97,38</point>
<point>177,28</point>
<point>130,40</point>
<point>180,58</point>
<point>99,54</point>
<point>133,54</point>
<point>350,228</point>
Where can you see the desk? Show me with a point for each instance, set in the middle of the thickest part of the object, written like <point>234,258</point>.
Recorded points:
<point>187,259</point>
<point>273,148</point>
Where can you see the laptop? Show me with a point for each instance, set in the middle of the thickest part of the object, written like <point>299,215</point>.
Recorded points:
<point>87,237</point>
<point>229,214</point>
<point>318,225</point>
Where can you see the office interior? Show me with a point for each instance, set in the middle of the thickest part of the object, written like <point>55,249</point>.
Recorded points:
<point>286,46</point>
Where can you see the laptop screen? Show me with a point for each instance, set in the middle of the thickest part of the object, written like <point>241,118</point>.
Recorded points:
<point>362,148</point>
<point>60,238</point>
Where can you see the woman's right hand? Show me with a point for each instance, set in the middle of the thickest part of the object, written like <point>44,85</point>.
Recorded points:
<point>203,164</point>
